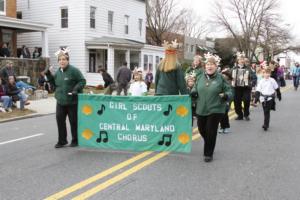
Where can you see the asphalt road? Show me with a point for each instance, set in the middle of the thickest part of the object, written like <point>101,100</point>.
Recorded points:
<point>248,164</point>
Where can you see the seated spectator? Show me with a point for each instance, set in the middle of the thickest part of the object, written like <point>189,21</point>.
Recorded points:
<point>4,99</point>
<point>16,94</point>
<point>4,52</point>
<point>44,83</point>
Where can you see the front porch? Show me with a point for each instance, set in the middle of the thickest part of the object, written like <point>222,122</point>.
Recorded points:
<point>11,27</point>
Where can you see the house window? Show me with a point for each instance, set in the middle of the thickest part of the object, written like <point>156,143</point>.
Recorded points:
<point>157,60</point>
<point>92,17</point>
<point>126,24</point>
<point>140,26</point>
<point>2,7</point>
<point>110,21</point>
<point>19,15</point>
<point>64,17</point>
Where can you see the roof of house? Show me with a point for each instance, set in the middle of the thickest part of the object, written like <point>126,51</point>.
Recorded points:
<point>114,42</point>
<point>21,25</point>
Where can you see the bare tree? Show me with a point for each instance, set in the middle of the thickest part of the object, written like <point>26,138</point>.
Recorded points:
<point>247,21</point>
<point>163,17</point>
<point>193,25</point>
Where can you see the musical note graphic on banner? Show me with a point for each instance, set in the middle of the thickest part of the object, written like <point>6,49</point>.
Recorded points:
<point>167,112</point>
<point>101,138</point>
<point>101,110</point>
<point>166,139</point>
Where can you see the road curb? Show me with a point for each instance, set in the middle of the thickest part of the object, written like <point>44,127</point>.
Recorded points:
<point>25,117</point>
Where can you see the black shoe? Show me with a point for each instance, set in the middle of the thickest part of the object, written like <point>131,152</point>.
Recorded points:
<point>60,145</point>
<point>265,128</point>
<point>247,118</point>
<point>74,144</point>
<point>239,118</point>
<point>208,158</point>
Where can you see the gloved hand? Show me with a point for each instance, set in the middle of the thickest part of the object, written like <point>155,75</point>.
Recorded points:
<point>194,94</point>
<point>223,96</point>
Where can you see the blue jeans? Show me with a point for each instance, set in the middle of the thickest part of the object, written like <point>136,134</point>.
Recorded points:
<point>23,98</point>
<point>296,81</point>
<point>7,101</point>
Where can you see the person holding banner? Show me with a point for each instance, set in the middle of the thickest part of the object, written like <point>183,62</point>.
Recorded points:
<point>169,78</point>
<point>211,92</point>
<point>68,81</point>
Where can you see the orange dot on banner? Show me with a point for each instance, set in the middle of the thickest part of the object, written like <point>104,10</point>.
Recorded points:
<point>182,111</point>
<point>87,110</point>
<point>87,134</point>
<point>184,138</point>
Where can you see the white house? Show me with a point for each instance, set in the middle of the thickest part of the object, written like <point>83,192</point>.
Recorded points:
<point>99,33</point>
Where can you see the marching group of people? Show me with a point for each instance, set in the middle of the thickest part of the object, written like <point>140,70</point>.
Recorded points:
<point>211,88</point>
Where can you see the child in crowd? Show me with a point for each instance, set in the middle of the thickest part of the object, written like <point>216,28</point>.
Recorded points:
<point>138,87</point>
<point>4,99</point>
<point>190,82</point>
<point>265,93</point>
<point>15,93</point>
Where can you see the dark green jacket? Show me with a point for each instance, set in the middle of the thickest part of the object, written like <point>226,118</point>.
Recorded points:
<point>190,70</point>
<point>209,101</point>
<point>69,80</point>
<point>170,83</point>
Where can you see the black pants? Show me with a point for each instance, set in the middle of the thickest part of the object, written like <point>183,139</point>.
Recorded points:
<point>148,85</point>
<point>242,94</point>
<point>61,114</point>
<point>225,120</point>
<point>208,128</point>
<point>267,106</point>
<point>122,87</point>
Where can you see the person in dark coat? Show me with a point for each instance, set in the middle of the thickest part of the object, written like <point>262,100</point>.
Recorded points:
<point>108,80</point>
<point>123,79</point>
<point>7,71</point>
<point>4,52</point>
<point>241,82</point>
<point>68,81</point>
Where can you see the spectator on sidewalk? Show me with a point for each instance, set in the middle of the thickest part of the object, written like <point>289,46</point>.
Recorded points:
<point>7,71</point>
<point>296,75</point>
<point>5,99</point>
<point>68,81</point>
<point>16,94</point>
<point>123,79</point>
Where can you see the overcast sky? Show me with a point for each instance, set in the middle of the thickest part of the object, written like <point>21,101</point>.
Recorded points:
<point>290,10</point>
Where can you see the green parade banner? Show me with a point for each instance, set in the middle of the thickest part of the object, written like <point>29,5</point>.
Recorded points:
<point>143,123</point>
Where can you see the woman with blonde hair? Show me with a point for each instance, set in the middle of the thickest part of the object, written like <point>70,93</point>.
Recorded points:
<point>169,78</point>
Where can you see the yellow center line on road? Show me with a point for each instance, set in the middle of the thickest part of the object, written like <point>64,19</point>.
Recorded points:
<point>97,177</point>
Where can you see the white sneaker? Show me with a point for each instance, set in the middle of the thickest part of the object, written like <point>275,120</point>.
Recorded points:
<point>9,110</point>
<point>2,110</point>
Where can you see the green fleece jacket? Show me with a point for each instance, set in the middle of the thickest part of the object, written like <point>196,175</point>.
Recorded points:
<point>170,83</point>
<point>208,101</point>
<point>69,80</point>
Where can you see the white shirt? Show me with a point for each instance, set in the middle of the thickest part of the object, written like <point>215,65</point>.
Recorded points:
<point>138,88</point>
<point>266,87</point>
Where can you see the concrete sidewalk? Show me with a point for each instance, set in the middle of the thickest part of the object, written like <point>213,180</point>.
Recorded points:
<point>43,106</point>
